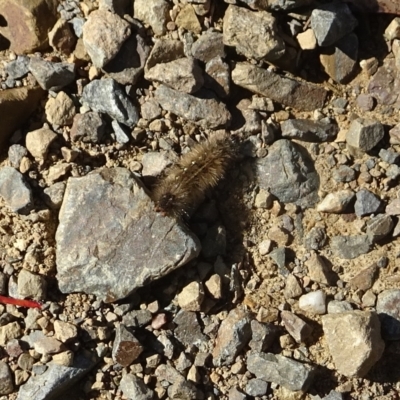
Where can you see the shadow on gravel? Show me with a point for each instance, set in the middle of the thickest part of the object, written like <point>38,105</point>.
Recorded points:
<point>387,370</point>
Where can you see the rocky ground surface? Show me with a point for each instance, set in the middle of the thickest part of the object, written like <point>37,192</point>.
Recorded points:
<point>284,284</point>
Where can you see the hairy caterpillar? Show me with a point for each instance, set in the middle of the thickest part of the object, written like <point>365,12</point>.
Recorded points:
<point>182,186</point>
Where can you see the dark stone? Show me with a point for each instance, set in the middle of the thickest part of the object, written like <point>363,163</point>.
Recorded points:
<point>288,173</point>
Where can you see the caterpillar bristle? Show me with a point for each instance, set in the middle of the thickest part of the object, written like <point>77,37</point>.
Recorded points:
<point>182,186</point>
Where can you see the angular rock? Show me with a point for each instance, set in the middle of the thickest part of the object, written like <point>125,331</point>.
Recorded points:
<point>356,333</point>
<point>16,105</point>
<point>39,141</point>
<point>25,24</point>
<point>108,97</point>
<point>15,191</point>
<point>233,335</point>
<point>296,327</point>
<point>183,75</point>
<point>332,21</point>
<point>55,380</point>
<point>288,173</point>
<point>152,12</point>
<point>313,302</point>
<point>365,102</point>
<point>187,19</point>
<point>256,387</point>
<point>47,345</point>
<point>365,278</point>
<point>191,296</point>
<point>218,77</point>
<point>390,156</point>
<point>384,85</point>
<point>292,93</point>
<point>123,243</point>
<point>120,132</point>
<point>31,285</point>
<point>6,379</point>
<point>393,208</point>
<point>293,288</point>
<point>65,331</point>
<point>88,127</point>
<point>389,313</point>
<point>315,239</point>
<point>307,40</point>
<point>364,134</point>
<point>126,348</point>
<point>18,68</point>
<point>203,110</point>
<point>16,153</point>
<point>349,247</point>
<point>60,110</point>
<point>188,330</point>
<point>310,131</point>
<point>262,335</point>
<point>9,332</point>
<point>318,269</point>
<point>103,35</point>
<point>128,65</point>
<point>62,37</point>
<point>133,388</point>
<point>336,202</point>
<point>336,306</point>
<point>281,370</point>
<point>52,76</point>
<point>379,227</point>
<point>137,318</point>
<point>341,63</point>
<point>253,34</point>
<point>343,173</point>
<point>164,51</point>
<point>367,203</point>
<point>208,46</point>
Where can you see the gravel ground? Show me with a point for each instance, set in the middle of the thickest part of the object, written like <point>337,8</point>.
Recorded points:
<point>279,282</point>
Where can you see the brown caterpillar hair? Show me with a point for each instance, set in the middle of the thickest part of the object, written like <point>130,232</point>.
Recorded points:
<point>182,186</point>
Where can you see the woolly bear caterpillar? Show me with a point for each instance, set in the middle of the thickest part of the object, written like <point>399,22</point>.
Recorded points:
<point>182,186</point>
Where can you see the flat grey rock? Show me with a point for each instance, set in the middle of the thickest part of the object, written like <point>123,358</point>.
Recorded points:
<point>108,97</point>
<point>308,130</point>
<point>110,241</point>
<point>291,374</point>
<point>52,76</point>
<point>203,109</point>
<point>55,380</point>
<point>292,93</point>
<point>349,247</point>
<point>288,173</point>
<point>15,190</point>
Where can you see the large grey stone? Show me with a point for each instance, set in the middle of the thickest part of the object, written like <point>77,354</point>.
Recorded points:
<point>284,371</point>
<point>288,173</point>
<point>55,380</point>
<point>133,388</point>
<point>203,109</point>
<point>110,241</point>
<point>253,34</point>
<point>292,93</point>
<point>108,97</point>
<point>152,12</point>
<point>52,76</point>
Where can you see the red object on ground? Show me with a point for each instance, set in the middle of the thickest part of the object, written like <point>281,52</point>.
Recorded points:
<point>20,302</point>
